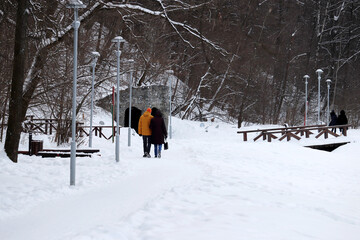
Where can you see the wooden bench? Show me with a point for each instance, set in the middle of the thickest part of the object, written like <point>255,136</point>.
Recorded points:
<point>62,152</point>
<point>54,154</point>
<point>69,150</point>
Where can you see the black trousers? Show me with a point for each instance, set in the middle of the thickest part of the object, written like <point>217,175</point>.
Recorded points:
<point>147,143</point>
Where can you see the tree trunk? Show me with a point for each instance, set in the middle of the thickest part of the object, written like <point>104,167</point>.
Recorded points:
<point>15,106</point>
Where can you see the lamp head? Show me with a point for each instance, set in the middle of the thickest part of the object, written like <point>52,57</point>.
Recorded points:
<point>95,56</point>
<point>306,76</point>
<point>319,72</point>
<point>75,4</point>
<point>118,39</point>
<point>328,81</point>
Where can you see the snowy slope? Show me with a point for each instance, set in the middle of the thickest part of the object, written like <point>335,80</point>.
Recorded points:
<point>208,185</point>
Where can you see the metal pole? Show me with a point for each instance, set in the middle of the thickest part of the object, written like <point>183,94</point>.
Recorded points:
<point>95,55</point>
<point>319,72</point>
<point>170,72</point>
<point>118,40</point>
<point>130,99</point>
<point>92,105</point>
<point>73,125</point>
<point>306,102</point>
<point>112,112</point>
<point>117,139</point>
<point>328,81</point>
<point>319,78</point>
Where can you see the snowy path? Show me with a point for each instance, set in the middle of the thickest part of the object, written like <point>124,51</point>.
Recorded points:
<point>99,206</point>
<point>208,186</point>
<point>254,198</point>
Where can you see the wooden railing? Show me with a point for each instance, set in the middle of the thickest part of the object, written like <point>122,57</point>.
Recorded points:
<point>294,132</point>
<point>49,126</point>
<point>98,131</point>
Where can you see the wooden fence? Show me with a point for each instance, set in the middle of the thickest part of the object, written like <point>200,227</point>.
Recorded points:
<point>50,126</point>
<point>294,132</point>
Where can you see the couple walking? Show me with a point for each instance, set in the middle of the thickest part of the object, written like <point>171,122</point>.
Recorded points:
<point>153,131</point>
<point>338,120</point>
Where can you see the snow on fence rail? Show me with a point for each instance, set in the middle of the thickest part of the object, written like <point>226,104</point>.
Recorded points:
<point>293,132</point>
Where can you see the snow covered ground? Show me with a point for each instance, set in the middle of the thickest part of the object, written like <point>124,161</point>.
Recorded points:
<point>209,185</point>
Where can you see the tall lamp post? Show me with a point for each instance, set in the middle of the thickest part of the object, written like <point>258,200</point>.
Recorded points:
<point>328,81</point>
<point>319,72</point>
<point>95,56</point>
<point>75,5</point>
<point>131,61</point>
<point>117,40</point>
<point>170,73</point>
<point>306,101</point>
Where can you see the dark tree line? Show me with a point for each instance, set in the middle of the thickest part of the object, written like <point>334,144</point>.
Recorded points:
<point>239,60</point>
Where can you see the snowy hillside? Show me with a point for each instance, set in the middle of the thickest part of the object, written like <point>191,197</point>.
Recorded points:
<point>209,185</point>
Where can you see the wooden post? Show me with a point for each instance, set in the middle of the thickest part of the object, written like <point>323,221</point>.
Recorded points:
<point>46,126</point>
<point>50,127</point>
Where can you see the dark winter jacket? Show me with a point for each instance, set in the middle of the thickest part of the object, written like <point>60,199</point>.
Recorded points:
<point>158,128</point>
<point>342,119</point>
<point>333,121</point>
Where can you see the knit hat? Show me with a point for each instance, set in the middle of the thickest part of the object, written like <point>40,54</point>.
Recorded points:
<point>149,110</point>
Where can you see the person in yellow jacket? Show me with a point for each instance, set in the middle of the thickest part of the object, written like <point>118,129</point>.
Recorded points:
<point>145,131</point>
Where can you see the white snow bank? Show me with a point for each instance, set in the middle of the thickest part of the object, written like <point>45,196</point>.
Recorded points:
<point>208,185</point>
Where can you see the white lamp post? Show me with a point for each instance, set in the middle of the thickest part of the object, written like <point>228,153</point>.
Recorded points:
<point>306,97</point>
<point>328,81</point>
<point>75,5</point>
<point>131,61</point>
<point>170,73</point>
<point>95,56</point>
<point>319,72</point>
<point>117,40</point>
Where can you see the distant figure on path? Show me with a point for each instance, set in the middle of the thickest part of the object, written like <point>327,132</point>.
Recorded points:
<point>342,120</point>
<point>157,125</point>
<point>333,121</point>
<point>145,131</point>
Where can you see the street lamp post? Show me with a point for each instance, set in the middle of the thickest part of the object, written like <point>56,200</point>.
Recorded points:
<point>95,56</point>
<point>170,73</point>
<point>75,5</point>
<point>319,72</point>
<point>306,101</point>
<point>328,81</point>
<point>117,40</point>
<point>131,61</point>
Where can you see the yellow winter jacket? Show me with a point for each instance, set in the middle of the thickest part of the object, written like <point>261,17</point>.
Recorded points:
<point>144,124</point>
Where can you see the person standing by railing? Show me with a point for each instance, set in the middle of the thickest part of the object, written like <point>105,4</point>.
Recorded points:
<point>342,120</point>
<point>333,121</point>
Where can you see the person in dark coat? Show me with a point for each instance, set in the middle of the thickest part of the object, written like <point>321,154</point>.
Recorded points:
<point>342,120</point>
<point>333,121</point>
<point>159,133</point>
